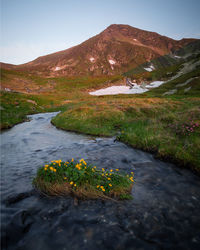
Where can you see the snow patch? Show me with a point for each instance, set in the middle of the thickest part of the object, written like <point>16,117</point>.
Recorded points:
<point>136,89</point>
<point>92,59</point>
<point>57,68</point>
<point>150,68</point>
<point>154,84</point>
<point>185,83</point>
<point>187,89</point>
<point>135,39</point>
<point>170,92</point>
<point>7,89</point>
<point>114,90</point>
<point>111,61</point>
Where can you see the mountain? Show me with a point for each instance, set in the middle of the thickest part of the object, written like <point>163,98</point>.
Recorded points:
<point>117,49</point>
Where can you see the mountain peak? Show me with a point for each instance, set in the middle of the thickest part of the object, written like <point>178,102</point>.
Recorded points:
<point>117,49</point>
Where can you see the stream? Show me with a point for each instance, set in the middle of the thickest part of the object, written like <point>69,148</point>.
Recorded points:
<point>164,212</point>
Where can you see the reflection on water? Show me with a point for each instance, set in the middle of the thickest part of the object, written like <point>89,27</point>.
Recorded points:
<point>163,214</point>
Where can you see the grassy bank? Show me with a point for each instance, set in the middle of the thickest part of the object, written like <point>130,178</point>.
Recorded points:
<point>15,107</point>
<point>45,94</point>
<point>167,125</point>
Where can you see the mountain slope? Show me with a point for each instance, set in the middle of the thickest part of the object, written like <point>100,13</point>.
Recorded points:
<point>117,49</point>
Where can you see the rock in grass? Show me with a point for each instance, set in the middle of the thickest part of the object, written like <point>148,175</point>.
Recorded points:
<point>83,181</point>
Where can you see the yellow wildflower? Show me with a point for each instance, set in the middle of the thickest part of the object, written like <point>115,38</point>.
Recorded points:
<point>78,166</point>
<point>108,178</point>
<point>72,160</point>
<point>97,186</point>
<point>65,178</point>
<point>132,173</point>
<point>103,169</point>
<point>111,170</point>
<point>75,185</point>
<point>71,182</point>
<point>110,185</point>
<point>102,174</point>
<point>117,169</point>
<point>46,166</point>
<point>83,161</point>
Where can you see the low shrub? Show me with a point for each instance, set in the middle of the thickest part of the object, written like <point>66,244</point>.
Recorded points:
<point>84,181</point>
<point>186,128</point>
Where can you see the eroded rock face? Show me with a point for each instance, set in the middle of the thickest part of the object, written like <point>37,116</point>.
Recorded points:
<point>164,213</point>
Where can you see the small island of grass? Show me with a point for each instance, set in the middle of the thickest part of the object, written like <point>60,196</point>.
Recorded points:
<point>83,181</point>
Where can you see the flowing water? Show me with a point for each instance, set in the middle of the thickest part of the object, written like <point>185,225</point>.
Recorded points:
<point>164,213</point>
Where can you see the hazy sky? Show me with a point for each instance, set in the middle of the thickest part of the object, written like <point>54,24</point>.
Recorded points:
<point>31,28</point>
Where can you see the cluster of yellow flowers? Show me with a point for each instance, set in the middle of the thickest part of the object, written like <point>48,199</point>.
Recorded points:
<point>78,166</point>
<point>58,162</point>
<point>131,178</point>
<point>81,163</point>
<point>107,174</point>
<point>51,168</point>
<point>102,188</point>
<point>72,183</point>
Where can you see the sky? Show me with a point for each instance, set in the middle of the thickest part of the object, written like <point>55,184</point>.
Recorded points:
<point>33,28</point>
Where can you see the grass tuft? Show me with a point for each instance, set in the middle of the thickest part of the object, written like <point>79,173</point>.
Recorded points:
<point>83,181</point>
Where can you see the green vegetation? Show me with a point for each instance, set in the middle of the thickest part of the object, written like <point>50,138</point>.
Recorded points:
<point>15,107</point>
<point>83,181</point>
<point>167,125</point>
<point>143,123</point>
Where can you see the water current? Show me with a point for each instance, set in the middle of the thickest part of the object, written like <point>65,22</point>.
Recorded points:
<point>164,212</point>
